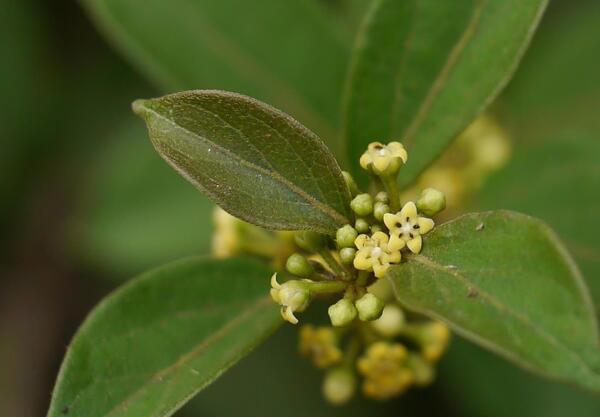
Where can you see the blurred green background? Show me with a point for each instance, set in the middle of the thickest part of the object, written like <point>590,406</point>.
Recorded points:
<point>85,203</point>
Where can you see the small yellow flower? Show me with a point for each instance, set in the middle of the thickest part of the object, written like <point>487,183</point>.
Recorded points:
<point>375,254</point>
<point>406,228</point>
<point>435,337</point>
<point>385,371</point>
<point>320,345</point>
<point>384,159</point>
<point>292,296</point>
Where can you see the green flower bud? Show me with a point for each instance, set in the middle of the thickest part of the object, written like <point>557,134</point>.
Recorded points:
<point>431,202</point>
<point>382,197</point>
<point>350,183</point>
<point>310,241</point>
<point>362,204</point>
<point>347,255</point>
<point>380,209</point>
<point>339,385</point>
<point>298,265</point>
<point>342,313</point>
<point>361,226</point>
<point>345,236</point>
<point>376,228</point>
<point>391,322</point>
<point>369,307</point>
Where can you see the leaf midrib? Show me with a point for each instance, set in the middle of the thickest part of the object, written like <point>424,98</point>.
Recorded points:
<point>438,85</point>
<point>323,208</point>
<point>428,262</point>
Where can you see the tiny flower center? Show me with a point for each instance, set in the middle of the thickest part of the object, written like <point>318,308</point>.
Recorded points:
<point>382,152</point>
<point>376,252</point>
<point>407,228</point>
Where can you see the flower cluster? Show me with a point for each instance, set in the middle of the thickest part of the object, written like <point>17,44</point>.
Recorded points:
<point>368,332</point>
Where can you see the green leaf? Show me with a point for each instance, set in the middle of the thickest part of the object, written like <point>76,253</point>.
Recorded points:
<point>563,192</point>
<point>160,339</point>
<point>256,162</point>
<point>286,53</point>
<point>504,281</point>
<point>423,70</point>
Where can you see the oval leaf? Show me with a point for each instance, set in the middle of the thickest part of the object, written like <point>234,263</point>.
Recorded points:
<point>423,69</point>
<point>256,162</point>
<point>157,341</point>
<point>504,281</point>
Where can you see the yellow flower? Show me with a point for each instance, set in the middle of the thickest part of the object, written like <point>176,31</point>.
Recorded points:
<point>320,345</point>
<point>385,371</point>
<point>384,159</point>
<point>292,296</point>
<point>435,337</point>
<point>406,228</point>
<point>374,254</point>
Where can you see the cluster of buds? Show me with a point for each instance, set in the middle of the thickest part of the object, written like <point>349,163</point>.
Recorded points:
<point>367,329</point>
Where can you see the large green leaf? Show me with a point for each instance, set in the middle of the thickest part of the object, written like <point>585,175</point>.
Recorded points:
<point>504,281</point>
<point>256,162</point>
<point>563,192</point>
<point>288,53</point>
<point>423,69</point>
<point>157,341</point>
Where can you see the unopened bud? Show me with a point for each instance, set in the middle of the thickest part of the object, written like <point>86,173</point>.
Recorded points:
<point>431,202</point>
<point>379,210</point>
<point>362,204</point>
<point>347,255</point>
<point>345,236</point>
<point>369,307</point>
<point>391,322</point>
<point>376,228</point>
<point>361,226</point>
<point>339,385</point>
<point>298,265</point>
<point>342,313</point>
<point>382,197</point>
<point>310,241</point>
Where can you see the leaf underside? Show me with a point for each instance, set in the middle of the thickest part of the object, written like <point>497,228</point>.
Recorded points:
<point>254,161</point>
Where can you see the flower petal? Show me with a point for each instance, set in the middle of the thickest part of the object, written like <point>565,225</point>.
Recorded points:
<point>396,242</point>
<point>408,211</point>
<point>397,150</point>
<point>360,241</point>
<point>381,162</point>
<point>425,225</point>
<point>365,160</point>
<point>390,220</point>
<point>361,260</point>
<point>380,237</point>
<point>415,244</point>
<point>380,269</point>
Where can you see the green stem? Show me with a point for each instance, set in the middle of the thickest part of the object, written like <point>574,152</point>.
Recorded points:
<point>391,186</point>
<point>328,287</point>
